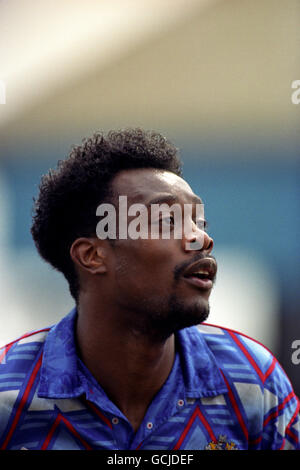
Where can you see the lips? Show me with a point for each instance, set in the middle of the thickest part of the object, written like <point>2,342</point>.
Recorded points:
<point>201,273</point>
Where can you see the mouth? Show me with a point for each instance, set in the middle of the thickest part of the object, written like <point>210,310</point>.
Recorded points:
<point>202,273</point>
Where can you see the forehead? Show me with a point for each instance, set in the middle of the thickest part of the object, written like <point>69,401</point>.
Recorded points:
<point>142,185</point>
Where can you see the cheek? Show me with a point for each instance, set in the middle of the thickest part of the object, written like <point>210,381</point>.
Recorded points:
<point>146,264</point>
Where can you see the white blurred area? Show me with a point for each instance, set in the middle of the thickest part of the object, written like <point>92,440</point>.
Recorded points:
<point>34,296</point>
<point>47,44</point>
<point>245,297</point>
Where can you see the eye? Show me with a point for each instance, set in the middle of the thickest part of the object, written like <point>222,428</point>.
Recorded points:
<point>168,220</point>
<point>202,224</point>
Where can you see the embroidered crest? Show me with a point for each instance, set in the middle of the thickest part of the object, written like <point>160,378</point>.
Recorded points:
<point>221,444</point>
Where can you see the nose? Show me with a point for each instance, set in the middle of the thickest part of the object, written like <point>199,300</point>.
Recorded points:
<point>197,240</point>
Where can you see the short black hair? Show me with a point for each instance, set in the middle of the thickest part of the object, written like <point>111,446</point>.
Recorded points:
<point>65,208</point>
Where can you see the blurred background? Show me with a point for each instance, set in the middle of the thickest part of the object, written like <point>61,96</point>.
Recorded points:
<point>214,76</point>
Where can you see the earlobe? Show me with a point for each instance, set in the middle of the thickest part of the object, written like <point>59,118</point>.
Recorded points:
<point>88,255</point>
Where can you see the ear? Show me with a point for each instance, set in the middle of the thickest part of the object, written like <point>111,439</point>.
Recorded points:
<point>89,255</point>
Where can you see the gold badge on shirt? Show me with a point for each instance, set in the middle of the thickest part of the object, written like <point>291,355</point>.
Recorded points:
<point>221,444</point>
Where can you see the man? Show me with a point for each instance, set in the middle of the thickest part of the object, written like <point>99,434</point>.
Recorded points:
<point>133,366</point>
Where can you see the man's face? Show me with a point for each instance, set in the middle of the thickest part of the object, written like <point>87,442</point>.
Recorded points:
<point>157,282</point>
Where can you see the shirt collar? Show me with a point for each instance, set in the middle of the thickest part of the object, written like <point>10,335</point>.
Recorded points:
<point>61,373</point>
<point>201,374</point>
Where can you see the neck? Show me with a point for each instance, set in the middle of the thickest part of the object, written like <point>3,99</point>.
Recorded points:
<point>129,366</point>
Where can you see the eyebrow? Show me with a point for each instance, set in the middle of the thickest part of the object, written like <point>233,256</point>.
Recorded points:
<point>170,198</point>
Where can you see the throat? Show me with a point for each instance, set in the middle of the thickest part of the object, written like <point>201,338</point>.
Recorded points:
<point>134,391</point>
<point>135,415</point>
<point>128,368</point>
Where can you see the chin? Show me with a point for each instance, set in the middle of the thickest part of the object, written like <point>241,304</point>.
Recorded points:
<point>192,319</point>
<point>158,322</point>
<point>182,316</point>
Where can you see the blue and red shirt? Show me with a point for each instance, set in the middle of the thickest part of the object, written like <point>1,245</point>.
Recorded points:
<point>225,391</point>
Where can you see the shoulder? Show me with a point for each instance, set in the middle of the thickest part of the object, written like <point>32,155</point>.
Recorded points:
<point>232,348</point>
<point>256,380</point>
<point>247,364</point>
<point>20,361</point>
<point>252,370</point>
<point>17,360</point>
<point>22,347</point>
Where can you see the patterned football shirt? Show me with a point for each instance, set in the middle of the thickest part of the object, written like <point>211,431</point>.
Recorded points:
<point>225,391</point>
